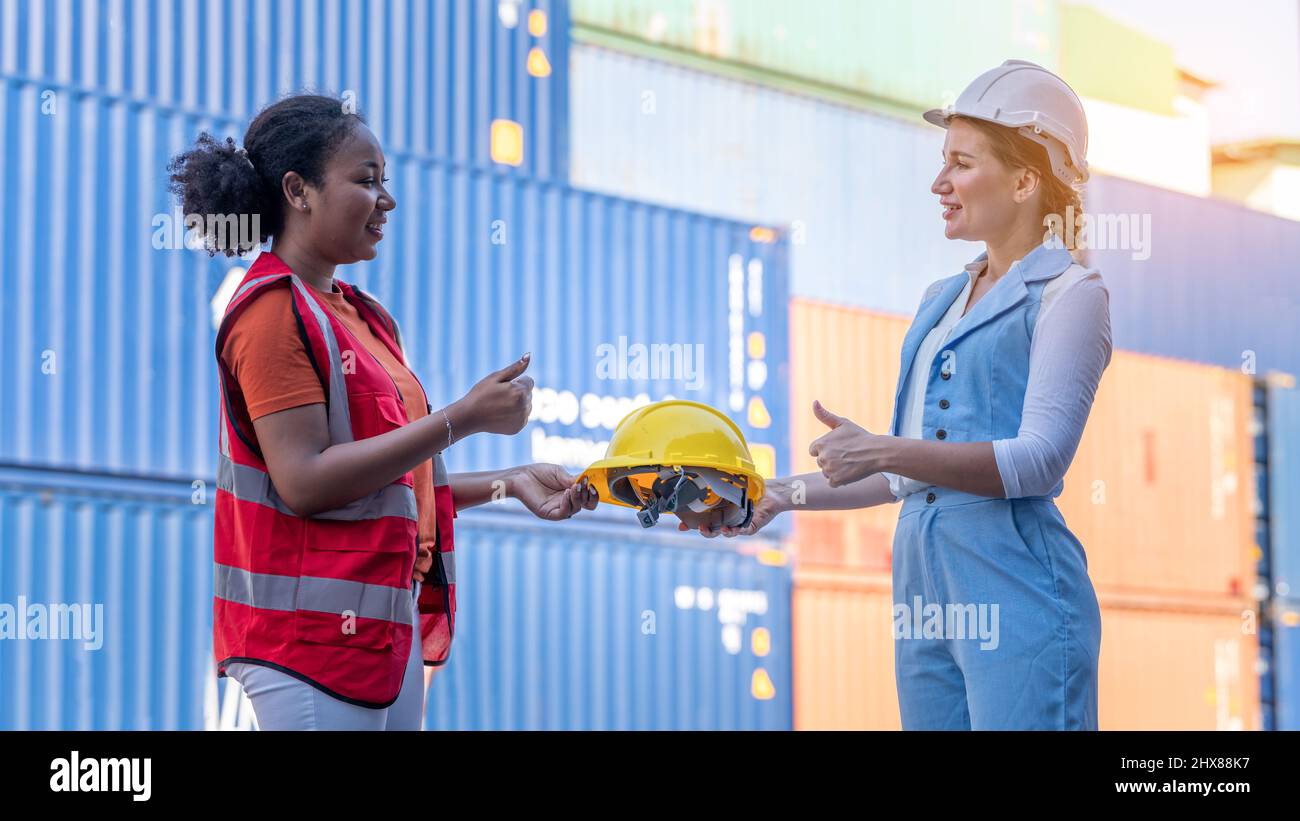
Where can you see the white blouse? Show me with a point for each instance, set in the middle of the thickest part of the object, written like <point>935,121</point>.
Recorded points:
<point>1071,347</point>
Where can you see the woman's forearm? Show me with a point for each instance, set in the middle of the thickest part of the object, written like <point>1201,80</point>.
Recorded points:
<point>970,467</point>
<point>810,491</point>
<point>472,489</point>
<point>340,474</point>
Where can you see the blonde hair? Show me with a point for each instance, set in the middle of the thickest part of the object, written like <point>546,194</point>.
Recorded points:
<point>1059,199</point>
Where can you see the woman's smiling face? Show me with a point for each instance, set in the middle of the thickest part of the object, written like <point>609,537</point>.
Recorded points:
<point>977,192</point>
<point>353,201</point>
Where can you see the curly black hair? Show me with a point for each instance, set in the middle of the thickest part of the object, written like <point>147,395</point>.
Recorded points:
<point>217,180</point>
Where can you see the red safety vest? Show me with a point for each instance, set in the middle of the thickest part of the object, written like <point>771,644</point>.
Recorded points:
<point>326,598</point>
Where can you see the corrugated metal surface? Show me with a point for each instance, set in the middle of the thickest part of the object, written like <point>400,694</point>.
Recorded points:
<point>1167,669</point>
<point>1164,665</point>
<point>1160,492</point>
<point>597,628</point>
<point>885,49</point>
<point>478,267</point>
<point>430,77</point>
<point>138,556</point>
<point>111,339</point>
<point>1217,283</point>
<point>853,185</point>
<point>1284,490</point>
<point>848,359</point>
<point>844,651</point>
<point>1286,664</point>
<point>574,626</point>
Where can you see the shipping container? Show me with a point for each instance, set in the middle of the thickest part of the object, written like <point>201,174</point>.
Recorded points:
<point>1161,489</point>
<point>1251,57</point>
<point>431,78</point>
<point>1285,666</point>
<point>899,54</point>
<point>1146,116</point>
<point>1160,492</point>
<point>844,651</point>
<point>1136,70</point>
<point>848,359</point>
<point>603,628</point>
<point>109,320</point>
<point>108,580</point>
<point>852,185</point>
<point>571,626</point>
<point>1166,663</point>
<point>1283,500</point>
<point>1194,278</point>
<point>1262,174</point>
<point>1178,668</point>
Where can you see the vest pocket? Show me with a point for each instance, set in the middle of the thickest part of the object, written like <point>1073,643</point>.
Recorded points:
<point>354,583</point>
<point>344,629</point>
<point>378,414</point>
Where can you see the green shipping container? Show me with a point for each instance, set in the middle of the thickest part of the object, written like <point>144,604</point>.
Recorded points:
<point>903,56</point>
<point>1107,60</point>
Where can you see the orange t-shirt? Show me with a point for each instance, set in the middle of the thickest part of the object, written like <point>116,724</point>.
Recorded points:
<point>266,356</point>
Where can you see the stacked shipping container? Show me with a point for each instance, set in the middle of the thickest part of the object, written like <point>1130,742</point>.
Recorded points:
<point>1277,510</point>
<point>97,101</point>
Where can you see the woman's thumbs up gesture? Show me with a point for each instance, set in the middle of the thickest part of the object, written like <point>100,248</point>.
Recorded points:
<point>845,453</point>
<point>502,400</point>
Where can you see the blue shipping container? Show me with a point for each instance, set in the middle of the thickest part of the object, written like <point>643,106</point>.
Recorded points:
<point>1197,278</point>
<point>1284,490</point>
<point>110,326</point>
<point>429,77</point>
<point>1286,663</point>
<point>574,625</point>
<point>131,561</point>
<point>852,185</point>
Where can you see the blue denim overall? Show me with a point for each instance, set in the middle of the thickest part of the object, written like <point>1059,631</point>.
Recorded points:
<point>999,626</point>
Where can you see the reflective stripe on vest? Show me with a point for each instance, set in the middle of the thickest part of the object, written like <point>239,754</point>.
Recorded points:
<point>340,423</point>
<point>448,565</point>
<point>333,596</point>
<point>248,484</point>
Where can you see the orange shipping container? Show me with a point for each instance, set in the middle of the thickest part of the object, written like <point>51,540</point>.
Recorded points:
<point>1166,663</point>
<point>847,358</point>
<point>1159,492</point>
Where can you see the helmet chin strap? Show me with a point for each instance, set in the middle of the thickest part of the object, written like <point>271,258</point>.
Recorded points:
<point>675,488</point>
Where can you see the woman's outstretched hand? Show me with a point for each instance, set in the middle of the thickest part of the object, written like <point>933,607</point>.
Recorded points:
<point>776,500</point>
<point>550,492</point>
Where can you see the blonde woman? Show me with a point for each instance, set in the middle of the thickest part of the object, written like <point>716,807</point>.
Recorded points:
<point>996,621</point>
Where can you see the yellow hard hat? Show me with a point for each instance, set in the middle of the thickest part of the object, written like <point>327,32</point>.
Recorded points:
<point>675,454</point>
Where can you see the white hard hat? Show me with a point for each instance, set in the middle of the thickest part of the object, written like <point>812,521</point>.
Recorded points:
<point>1024,95</point>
